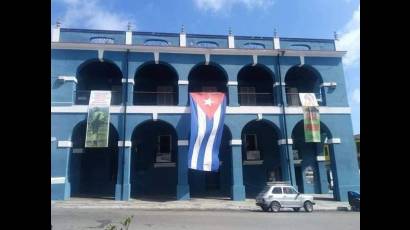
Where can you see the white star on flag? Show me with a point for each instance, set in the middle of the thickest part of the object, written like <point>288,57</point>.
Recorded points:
<point>208,102</point>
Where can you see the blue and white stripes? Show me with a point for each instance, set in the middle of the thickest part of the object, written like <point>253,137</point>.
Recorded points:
<point>205,139</point>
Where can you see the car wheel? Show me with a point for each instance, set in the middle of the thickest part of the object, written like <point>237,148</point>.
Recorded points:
<point>296,209</point>
<point>308,206</point>
<point>275,206</point>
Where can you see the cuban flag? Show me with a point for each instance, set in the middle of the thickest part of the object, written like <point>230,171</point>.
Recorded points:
<point>207,121</point>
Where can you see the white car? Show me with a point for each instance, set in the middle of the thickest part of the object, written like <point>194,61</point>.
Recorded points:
<point>281,195</point>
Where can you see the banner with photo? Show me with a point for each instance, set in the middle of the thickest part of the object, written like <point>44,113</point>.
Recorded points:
<point>98,121</point>
<point>311,117</point>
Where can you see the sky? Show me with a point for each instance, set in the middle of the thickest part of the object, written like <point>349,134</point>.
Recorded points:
<point>290,18</point>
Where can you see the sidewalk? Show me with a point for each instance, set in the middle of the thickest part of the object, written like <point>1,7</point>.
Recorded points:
<point>323,203</point>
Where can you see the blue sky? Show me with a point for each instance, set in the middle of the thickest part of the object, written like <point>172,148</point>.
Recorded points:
<point>291,18</point>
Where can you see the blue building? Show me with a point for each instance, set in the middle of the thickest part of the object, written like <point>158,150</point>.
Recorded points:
<point>150,76</point>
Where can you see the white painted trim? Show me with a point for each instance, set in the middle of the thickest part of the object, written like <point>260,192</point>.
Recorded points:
<point>253,110</point>
<point>195,50</point>
<point>231,41</point>
<point>156,57</point>
<point>83,109</point>
<point>320,158</point>
<point>57,180</point>
<point>124,143</point>
<point>182,109</point>
<point>302,60</point>
<point>128,38</point>
<point>64,144</point>
<point>154,116</point>
<point>337,45</point>
<point>254,60</point>
<point>183,143</point>
<point>232,83</point>
<point>322,110</point>
<point>328,84</point>
<point>259,162</point>
<point>182,40</point>
<point>207,58</point>
<point>55,34</point>
<point>164,165</point>
<point>283,141</point>
<point>276,43</point>
<point>235,142</point>
<point>67,78</point>
<point>183,82</point>
<point>130,80</point>
<point>333,141</point>
<point>278,84</point>
<point>101,55</point>
<point>53,139</point>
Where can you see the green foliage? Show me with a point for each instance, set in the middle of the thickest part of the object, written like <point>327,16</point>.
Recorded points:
<point>124,225</point>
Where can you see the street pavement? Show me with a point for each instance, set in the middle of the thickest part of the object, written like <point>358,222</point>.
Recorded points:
<point>99,218</point>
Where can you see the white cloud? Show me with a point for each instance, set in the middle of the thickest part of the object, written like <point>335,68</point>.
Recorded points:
<point>221,5</point>
<point>91,14</point>
<point>356,96</point>
<point>350,40</point>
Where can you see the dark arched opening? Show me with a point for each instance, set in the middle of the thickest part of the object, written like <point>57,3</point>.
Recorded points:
<point>260,156</point>
<point>208,78</point>
<point>156,84</point>
<point>97,75</point>
<point>93,171</point>
<point>255,86</point>
<point>303,79</point>
<point>153,160</point>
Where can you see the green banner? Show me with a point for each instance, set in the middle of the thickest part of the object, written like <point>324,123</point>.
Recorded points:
<point>98,121</point>
<point>311,124</point>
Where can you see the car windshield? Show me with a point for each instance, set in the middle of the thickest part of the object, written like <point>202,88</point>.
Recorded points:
<point>265,190</point>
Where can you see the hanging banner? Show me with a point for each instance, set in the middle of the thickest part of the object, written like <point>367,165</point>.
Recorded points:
<point>311,117</point>
<point>98,121</point>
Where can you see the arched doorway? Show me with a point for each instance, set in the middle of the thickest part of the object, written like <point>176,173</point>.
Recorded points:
<point>97,75</point>
<point>260,155</point>
<point>313,175</point>
<point>208,78</point>
<point>255,86</point>
<point>93,171</point>
<point>215,184</point>
<point>153,160</point>
<point>303,79</point>
<point>156,84</point>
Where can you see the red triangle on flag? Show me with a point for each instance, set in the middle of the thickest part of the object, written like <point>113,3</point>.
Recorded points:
<point>208,101</point>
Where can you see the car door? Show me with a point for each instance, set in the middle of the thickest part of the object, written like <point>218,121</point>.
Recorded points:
<point>291,197</point>
<point>277,194</point>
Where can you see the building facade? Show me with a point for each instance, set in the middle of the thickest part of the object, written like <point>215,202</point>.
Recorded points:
<point>150,76</point>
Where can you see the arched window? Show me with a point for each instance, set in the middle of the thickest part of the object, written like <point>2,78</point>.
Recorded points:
<point>303,79</point>
<point>156,42</point>
<point>255,86</point>
<point>102,40</point>
<point>253,45</point>
<point>156,84</point>
<point>300,47</point>
<point>207,44</point>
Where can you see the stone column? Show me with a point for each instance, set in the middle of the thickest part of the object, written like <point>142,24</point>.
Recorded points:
<point>238,190</point>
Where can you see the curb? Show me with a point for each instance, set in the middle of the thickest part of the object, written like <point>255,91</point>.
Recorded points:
<point>188,209</point>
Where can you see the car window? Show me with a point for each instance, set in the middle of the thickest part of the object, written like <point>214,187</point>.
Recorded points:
<point>277,190</point>
<point>289,190</point>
